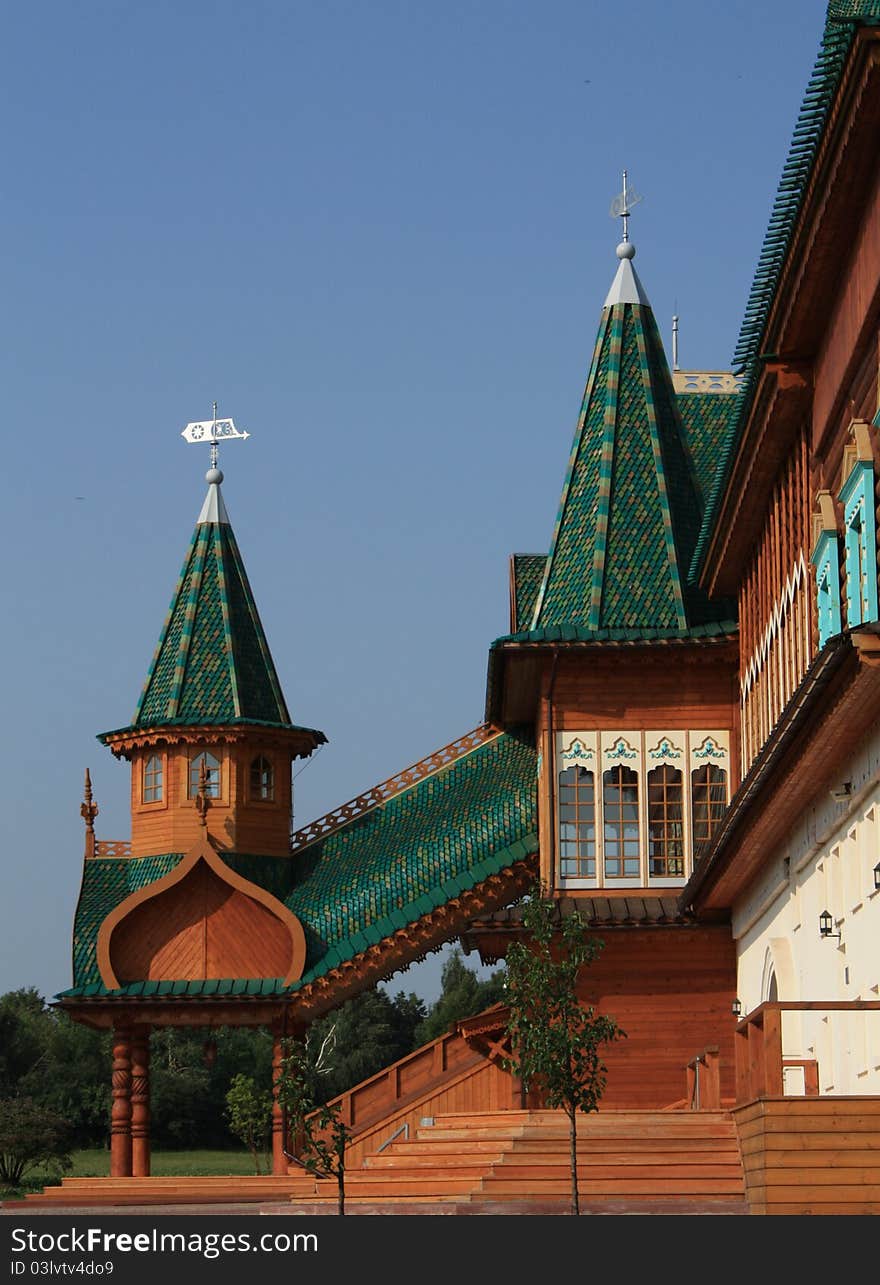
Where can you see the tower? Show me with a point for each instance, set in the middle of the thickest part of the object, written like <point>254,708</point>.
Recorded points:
<point>212,704</point>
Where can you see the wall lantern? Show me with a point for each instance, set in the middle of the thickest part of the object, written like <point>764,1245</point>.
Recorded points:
<point>826,925</point>
<point>877,877</point>
<point>736,1008</point>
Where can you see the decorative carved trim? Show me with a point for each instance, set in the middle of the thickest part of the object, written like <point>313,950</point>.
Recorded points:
<point>706,381</point>
<point>203,851</point>
<point>415,941</point>
<point>122,744</point>
<point>112,848</point>
<point>340,816</point>
<point>88,810</point>
<point>781,608</point>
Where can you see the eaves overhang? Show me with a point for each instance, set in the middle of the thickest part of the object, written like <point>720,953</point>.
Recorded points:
<point>536,644</point>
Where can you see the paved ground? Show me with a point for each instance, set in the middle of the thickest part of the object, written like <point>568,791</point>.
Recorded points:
<point>28,1209</point>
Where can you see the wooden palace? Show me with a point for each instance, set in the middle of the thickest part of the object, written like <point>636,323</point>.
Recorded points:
<point>681,738</point>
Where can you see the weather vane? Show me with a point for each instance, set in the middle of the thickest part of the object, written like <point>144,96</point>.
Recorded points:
<point>214,431</point>
<point>621,206</point>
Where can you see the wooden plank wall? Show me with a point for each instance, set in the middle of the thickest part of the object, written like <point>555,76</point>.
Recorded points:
<point>811,1155</point>
<point>671,990</point>
<point>777,639</point>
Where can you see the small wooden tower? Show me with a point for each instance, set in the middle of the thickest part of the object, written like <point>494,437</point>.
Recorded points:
<point>212,702</point>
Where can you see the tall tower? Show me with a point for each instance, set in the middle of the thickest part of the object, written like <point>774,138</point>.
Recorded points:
<point>211,722</point>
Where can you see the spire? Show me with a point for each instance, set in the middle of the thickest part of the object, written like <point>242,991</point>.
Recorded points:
<point>630,510</point>
<point>212,663</point>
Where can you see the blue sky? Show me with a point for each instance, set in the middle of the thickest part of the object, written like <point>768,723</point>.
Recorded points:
<point>378,235</point>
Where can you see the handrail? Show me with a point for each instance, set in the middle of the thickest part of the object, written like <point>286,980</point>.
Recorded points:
<point>704,1092</point>
<point>758,1045</point>
<point>404,1129</point>
<point>331,821</point>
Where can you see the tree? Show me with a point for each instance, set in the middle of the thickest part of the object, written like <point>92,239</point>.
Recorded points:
<point>361,1038</point>
<point>249,1112</point>
<point>321,1133</point>
<point>30,1134</point>
<point>462,995</point>
<point>555,1039</point>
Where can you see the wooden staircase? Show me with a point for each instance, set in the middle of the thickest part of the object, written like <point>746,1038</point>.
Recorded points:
<point>658,1162</point>
<point>628,1161</point>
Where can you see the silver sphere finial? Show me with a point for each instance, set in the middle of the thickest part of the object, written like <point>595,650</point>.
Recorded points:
<point>214,475</point>
<point>626,250</point>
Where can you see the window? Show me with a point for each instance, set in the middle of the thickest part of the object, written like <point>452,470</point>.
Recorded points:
<point>620,799</point>
<point>825,559</point>
<point>212,771</point>
<point>665,823</point>
<point>633,806</point>
<point>859,529</point>
<point>152,782</point>
<point>262,779</point>
<point>709,795</point>
<point>577,823</point>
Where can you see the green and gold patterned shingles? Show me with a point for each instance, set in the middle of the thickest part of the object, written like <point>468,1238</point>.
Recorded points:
<point>379,872</point>
<point>574,535</point>
<point>259,691</point>
<point>705,418</point>
<point>528,572</point>
<point>212,664</point>
<point>631,507</point>
<point>107,882</point>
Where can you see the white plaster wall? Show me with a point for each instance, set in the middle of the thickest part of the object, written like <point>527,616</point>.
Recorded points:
<point>827,862</point>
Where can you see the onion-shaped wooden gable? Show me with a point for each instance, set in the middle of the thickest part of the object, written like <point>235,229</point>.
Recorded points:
<point>200,921</point>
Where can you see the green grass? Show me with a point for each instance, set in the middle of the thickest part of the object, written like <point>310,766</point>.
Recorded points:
<point>164,1164</point>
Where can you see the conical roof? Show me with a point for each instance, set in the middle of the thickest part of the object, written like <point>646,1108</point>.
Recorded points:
<point>630,512</point>
<point>212,664</point>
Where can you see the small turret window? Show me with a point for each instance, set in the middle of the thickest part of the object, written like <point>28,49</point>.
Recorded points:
<point>262,779</point>
<point>152,784</point>
<point>212,773</point>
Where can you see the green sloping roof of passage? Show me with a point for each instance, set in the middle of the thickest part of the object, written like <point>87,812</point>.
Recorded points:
<point>528,572</point>
<point>212,663</point>
<point>842,20</point>
<point>351,888</point>
<point>631,505</point>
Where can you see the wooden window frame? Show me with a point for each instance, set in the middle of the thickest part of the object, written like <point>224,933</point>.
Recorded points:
<point>257,795</point>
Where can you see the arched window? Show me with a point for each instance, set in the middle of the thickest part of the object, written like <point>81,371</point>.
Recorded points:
<point>577,824</point>
<point>620,800</point>
<point>709,795</point>
<point>665,823</point>
<point>212,771</point>
<point>262,779</point>
<point>152,783</point>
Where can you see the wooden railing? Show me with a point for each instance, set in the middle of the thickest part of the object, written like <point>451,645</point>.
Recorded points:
<point>112,848</point>
<point>346,812</point>
<point>759,1059</point>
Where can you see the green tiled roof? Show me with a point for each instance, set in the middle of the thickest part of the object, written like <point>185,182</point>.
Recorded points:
<point>631,505</point>
<point>579,634</point>
<point>212,663</point>
<point>706,419</point>
<point>842,19</point>
<point>379,872</point>
<point>528,572</point>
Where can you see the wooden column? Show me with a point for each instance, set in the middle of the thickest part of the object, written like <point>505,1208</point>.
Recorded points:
<point>140,1102</point>
<point>120,1110</point>
<point>279,1124</point>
